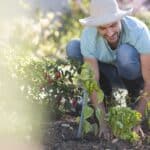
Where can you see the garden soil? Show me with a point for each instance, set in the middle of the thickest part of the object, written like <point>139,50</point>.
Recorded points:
<point>61,135</point>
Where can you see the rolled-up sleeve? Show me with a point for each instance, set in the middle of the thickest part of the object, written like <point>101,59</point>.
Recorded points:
<point>88,42</point>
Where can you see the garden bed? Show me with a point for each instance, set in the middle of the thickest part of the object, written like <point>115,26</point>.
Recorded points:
<point>61,135</point>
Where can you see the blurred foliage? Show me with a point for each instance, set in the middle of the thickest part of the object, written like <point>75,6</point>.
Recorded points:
<point>18,115</point>
<point>144,16</point>
<point>34,82</point>
<point>48,34</point>
<point>49,82</point>
<point>36,53</point>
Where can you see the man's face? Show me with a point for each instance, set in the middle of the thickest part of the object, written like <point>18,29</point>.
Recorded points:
<point>111,32</point>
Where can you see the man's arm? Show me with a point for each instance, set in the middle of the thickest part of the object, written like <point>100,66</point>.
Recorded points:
<point>145,95</point>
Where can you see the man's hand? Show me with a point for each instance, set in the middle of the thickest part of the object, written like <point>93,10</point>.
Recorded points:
<point>139,131</point>
<point>105,131</point>
<point>141,109</point>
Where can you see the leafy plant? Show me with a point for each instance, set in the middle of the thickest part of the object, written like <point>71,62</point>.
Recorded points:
<point>48,82</point>
<point>122,120</point>
<point>86,79</point>
<point>89,85</point>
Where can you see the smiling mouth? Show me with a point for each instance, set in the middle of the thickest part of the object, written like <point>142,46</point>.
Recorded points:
<point>113,38</point>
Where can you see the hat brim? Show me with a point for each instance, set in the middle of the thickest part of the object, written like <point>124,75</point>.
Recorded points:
<point>96,21</point>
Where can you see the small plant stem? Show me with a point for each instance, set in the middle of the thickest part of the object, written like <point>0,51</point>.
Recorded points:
<point>79,133</point>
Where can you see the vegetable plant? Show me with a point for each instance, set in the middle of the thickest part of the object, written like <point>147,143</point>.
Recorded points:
<point>87,83</point>
<point>122,120</point>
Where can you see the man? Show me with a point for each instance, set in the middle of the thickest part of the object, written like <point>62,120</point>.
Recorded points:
<point>117,47</point>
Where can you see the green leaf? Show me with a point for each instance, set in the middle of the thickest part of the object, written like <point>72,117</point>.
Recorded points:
<point>87,127</point>
<point>78,119</point>
<point>100,95</point>
<point>119,124</point>
<point>95,128</point>
<point>98,113</point>
<point>87,112</point>
<point>134,137</point>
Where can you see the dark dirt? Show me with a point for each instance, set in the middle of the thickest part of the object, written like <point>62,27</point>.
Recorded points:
<point>61,135</point>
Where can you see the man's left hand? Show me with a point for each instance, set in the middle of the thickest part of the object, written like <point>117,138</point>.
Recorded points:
<point>139,131</point>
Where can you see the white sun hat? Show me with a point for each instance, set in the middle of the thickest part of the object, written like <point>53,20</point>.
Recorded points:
<point>103,12</point>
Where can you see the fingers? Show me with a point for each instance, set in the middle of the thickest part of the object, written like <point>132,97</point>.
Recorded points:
<point>105,134</point>
<point>139,131</point>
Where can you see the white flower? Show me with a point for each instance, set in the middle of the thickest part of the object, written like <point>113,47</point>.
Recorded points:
<point>36,40</point>
<point>44,22</point>
<point>46,34</point>
<point>50,16</point>
<point>36,28</point>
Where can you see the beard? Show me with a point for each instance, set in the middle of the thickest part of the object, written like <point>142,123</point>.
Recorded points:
<point>113,40</point>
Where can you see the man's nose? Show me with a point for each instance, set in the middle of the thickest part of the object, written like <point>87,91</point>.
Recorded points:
<point>110,32</point>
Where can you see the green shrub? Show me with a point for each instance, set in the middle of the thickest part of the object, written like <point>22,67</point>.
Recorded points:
<point>122,120</point>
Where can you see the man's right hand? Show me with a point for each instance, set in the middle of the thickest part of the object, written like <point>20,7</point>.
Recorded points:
<point>105,131</point>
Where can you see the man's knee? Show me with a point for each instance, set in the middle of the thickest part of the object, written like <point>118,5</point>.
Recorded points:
<point>128,62</point>
<point>73,50</point>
